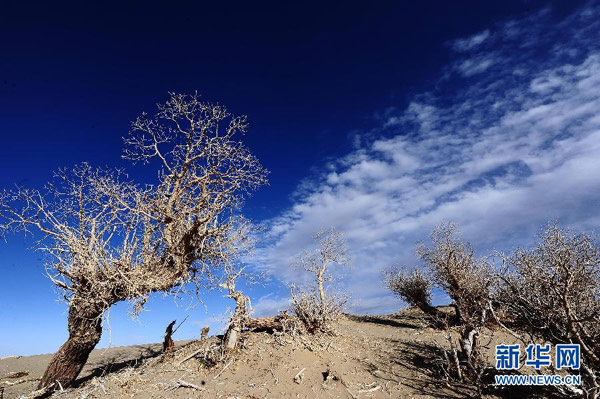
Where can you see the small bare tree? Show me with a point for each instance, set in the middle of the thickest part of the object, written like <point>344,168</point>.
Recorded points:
<point>552,293</point>
<point>318,311</point>
<point>110,240</point>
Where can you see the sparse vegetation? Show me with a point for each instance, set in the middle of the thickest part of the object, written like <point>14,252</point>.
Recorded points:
<point>551,293</point>
<point>313,307</point>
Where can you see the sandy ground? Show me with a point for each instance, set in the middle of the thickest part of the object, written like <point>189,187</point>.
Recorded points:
<point>370,357</point>
<point>101,362</point>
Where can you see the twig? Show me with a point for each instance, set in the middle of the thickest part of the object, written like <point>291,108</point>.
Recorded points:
<point>298,377</point>
<point>224,368</point>
<point>184,384</point>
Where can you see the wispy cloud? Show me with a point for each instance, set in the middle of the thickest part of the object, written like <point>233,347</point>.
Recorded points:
<point>471,42</point>
<point>518,144</point>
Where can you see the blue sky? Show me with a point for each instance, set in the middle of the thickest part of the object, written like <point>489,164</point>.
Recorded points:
<point>379,120</point>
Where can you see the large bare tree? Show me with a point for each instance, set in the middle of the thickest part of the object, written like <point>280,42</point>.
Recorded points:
<point>108,240</point>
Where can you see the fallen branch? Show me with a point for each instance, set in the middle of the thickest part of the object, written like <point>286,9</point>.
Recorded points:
<point>184,384</point>
<point>191,356</point>
<point>224,368</point>
<point>264,324</point>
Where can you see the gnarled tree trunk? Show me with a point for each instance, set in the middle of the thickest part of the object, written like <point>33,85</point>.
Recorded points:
<point>238,320</point>
<point>85,330</point>
<point>168,343</point>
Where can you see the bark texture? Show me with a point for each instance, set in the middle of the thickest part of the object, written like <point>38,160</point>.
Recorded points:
<point>85,330</point>
<point>238,320</point>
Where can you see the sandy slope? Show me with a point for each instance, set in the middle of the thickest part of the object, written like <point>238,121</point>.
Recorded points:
<point>371,357</point>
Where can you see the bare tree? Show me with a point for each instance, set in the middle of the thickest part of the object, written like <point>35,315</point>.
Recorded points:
<point>552,293</point>
<point>108,240</point>
<point>467,280</point>
<point>331,249</point>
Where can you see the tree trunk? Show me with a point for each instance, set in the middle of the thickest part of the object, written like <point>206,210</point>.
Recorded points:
<point>85,330</point>
<point>265,324</point>
<point>168,343</point>
<point>468,341</point>
<point>238,320</point>
<point>204,334</point>
<point>320,281</point>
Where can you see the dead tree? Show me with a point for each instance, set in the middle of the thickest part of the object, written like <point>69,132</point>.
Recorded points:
<point>109,239</point>
<point>168,343</point>
<point>331,249</point>
<point>204,333</point>
<point>467,280</point>
<point>241,314</point>
<point>551,293</point>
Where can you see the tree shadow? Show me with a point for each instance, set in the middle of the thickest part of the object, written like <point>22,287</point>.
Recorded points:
<point>426,362</point>
<point>389,320</point>
<point>118,362</point>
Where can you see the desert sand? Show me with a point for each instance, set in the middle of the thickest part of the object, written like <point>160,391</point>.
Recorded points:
<point>390,356</point>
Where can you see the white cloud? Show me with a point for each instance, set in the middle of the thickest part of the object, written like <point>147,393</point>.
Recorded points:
<point>269,305</point>
<point>501,156</point>
<point>471,42</point>
<point>473,66</point>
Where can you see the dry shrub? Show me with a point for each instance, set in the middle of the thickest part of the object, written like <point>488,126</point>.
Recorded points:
<point>308,308</point>
<point>552,294</point>
<point>414,287</point>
